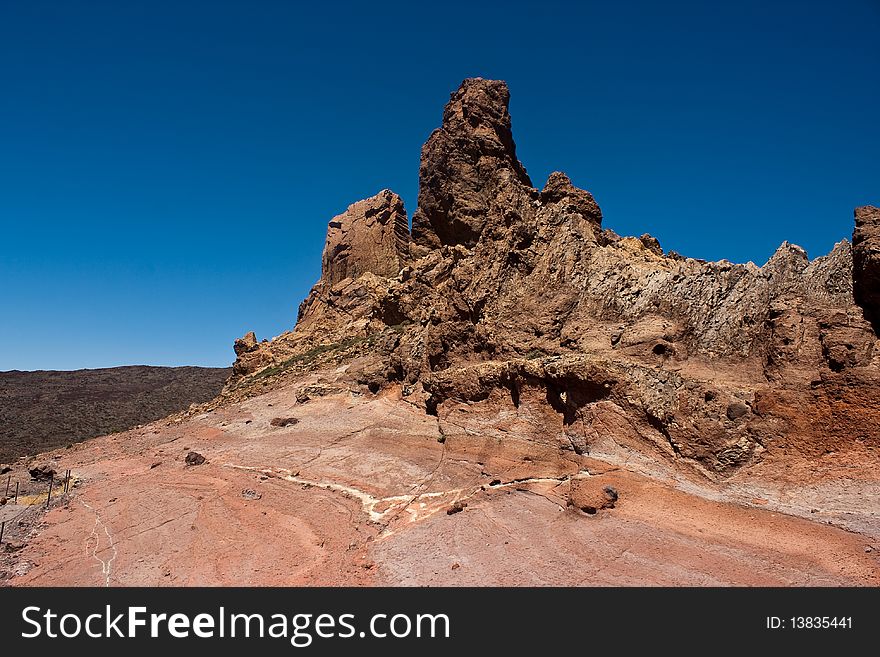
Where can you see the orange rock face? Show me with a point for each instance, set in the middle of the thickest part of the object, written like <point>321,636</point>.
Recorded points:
<point>371,236</point>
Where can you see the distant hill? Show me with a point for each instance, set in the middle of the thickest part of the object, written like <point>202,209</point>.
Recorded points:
<point>44,410</point>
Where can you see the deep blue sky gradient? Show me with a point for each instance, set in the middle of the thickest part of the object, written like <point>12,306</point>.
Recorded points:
<point>167,169</point>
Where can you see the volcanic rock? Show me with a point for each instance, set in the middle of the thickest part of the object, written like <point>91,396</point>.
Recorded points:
<point>866,260</point>
<point>371,236</point>
<point>283,421</point>
<point>194,458</point>
<point>42,472</point>
<point>245,344</point>
<point>456,507</point>
<point>469,176</point>
<point>590,494</point>
<point>507,295</point>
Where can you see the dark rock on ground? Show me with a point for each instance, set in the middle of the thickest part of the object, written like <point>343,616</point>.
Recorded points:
<point>283,421</point>
<point>42,473</point>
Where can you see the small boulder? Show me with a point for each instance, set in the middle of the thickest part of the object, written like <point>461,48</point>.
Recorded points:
<point>590,494</point>
<point>42,472</point>
<point>283,421</point>
<point>456,507</point>
<point>736,410</point>
<point>194,458</point>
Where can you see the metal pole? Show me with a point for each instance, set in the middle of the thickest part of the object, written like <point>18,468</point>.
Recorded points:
<point>8,479</point>
<point>16,493</point>
<point>2,528</point>
<point>49,496</point>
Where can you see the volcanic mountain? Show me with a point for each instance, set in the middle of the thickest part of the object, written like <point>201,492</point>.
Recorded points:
<point>510,393</point>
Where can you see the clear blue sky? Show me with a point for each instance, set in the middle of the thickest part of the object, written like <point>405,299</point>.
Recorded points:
<point>167,169</point>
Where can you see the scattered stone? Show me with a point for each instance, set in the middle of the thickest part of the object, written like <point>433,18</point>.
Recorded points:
<point>250,494</point>
<point>194,458</point>
<point>42,473</point>
<point>155,464</point>
<point>456,566</point>
<point>868,548</point>
<point>5,469</point>
<point>588,494</point>
<point>456,507</point>
<point>736,410</point>
<point>283,421</point>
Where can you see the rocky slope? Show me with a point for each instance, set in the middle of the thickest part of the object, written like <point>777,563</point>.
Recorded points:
<point>44,410</point>
<point>503,291</point>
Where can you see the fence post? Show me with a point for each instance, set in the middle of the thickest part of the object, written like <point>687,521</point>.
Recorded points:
<point>8,479</point>
<point>49,496</point>
<point>16,493</point>
<point>2,528</point>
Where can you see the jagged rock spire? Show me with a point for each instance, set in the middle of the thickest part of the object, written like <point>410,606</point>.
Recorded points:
<point>468,166</point>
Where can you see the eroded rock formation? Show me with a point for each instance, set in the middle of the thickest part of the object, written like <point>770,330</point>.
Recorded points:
<point>866,260</point>
<point>371,236</point>
<point>507,298</point>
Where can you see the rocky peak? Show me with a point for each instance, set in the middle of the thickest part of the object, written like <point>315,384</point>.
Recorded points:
<point>787,262</point>
<point>245,344</point>
<point>371,236</point>
<point>469,171</point>
<point>559,190</point>
<point>866,260</point>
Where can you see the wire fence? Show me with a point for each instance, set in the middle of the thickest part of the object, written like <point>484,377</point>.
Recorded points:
<point>32,500</point>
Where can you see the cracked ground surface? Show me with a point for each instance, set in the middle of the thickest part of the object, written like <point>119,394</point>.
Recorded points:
<point>359,492</point>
